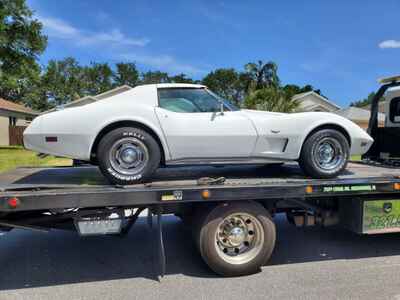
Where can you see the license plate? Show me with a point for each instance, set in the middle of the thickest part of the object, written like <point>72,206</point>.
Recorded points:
<point>98,226</point>
<point>381,216</point>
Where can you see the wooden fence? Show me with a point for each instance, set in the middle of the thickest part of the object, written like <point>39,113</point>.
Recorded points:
<point>16,135</point>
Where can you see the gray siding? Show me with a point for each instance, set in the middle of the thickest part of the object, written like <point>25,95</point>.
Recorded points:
<point>4,131</point>
<point>4,123</point>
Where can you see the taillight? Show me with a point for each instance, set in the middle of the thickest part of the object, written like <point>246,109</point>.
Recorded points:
<point>13,202</point>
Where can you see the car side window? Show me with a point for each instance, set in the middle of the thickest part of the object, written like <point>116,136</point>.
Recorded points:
<point>187,100</point>
<point>395,110</point>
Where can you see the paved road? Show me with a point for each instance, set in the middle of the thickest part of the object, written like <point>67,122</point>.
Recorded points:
<point>307,264</point>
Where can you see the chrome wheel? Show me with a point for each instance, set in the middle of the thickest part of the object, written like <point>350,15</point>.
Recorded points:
<point>329,154</point>
<point>129,156</point>
<point>239,238</point>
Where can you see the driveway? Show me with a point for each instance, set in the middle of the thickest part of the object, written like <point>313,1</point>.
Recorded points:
<point>310,263</point>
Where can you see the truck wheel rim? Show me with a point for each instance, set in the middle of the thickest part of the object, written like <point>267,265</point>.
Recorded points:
<point>129,156</point>
<point>239,238</point>
<point>328,154</point>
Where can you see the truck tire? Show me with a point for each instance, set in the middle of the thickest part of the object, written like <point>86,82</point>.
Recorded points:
<point>235,239</point>
<point>128,155</point>
<point>324,154</point>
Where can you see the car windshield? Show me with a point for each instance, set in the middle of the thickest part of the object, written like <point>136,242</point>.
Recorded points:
<point>191,100</point>
<point>227,103</point>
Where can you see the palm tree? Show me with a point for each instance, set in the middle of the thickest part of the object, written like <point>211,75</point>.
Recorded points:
<point>271,99</point>
<point>263,75</point>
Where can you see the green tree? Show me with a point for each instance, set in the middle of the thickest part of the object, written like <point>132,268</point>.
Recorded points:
<point>126,73</point>
<point>154,77</point>
<point>98,78</point>
<point>16,87</point>
<point>294,89</point>
<point>21,41</point>
<point>244,83</point>
<point>62,81</point>
<point>36,98</point>
<point>365,101</point>
<point>263,75</point>
<point>271,99</point>
<point>226,83</point>
<point>181,78</point>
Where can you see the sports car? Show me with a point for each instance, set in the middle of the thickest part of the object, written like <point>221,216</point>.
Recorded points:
<point>131,134</point>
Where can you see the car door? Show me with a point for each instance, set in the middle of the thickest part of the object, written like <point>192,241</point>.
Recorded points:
<point>194,126</point>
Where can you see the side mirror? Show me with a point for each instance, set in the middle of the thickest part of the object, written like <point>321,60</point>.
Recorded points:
<point>221,107</point>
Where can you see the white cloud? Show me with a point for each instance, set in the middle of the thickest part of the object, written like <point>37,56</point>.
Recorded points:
<point>163,62</point>
<point>114,36</point>
<point>57,28</point>
<point>389,44</point>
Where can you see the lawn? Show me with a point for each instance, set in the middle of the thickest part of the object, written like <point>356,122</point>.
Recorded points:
<point>14,157</point>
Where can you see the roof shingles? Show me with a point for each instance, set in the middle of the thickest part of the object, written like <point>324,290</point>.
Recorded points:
<point>15,107</point>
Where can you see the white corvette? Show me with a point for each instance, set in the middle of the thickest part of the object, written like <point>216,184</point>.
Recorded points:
<point>131,134</point>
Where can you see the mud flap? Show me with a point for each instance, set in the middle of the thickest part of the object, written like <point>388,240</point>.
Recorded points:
<point>160,241</point>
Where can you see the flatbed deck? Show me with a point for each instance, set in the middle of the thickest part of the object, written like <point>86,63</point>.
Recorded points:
<point>79,197</point>
<point>66,187</point>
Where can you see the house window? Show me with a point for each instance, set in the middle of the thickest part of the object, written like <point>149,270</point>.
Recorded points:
<point>12,121</point>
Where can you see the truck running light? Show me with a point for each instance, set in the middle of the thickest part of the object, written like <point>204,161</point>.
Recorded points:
<point>396,186</point>
<point>206,194</point>
<point>309,189</point>
<point>13,202</point>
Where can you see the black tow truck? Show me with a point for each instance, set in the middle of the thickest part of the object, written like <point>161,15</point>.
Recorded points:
<point>229,210</point>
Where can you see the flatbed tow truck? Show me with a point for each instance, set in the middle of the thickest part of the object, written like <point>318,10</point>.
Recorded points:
<point>366,200</point>
<point>229,209</point>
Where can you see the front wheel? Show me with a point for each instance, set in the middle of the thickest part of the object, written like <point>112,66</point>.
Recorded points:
<point>128,155</point>
<point>324,154</point>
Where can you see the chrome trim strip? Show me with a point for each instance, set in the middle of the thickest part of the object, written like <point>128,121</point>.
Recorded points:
<point>223,160</point>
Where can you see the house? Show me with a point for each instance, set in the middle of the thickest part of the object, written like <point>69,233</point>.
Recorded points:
<point>89,99</point>
<point>13,120</point>
<point>311,101</point>
<point>360,116</point>
<point>381,106</point>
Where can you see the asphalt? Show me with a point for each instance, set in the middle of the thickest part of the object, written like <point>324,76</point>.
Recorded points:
<point>310,263</point>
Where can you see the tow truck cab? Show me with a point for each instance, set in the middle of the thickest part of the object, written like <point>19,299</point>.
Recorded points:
<point>386,146</point>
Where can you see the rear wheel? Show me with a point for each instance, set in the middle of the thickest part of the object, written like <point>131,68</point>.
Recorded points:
<point>236,239</point>
<point>324,154</point>
<point>128,155</point>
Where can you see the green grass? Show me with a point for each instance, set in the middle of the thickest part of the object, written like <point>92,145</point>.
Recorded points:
<point>14,157</point>
<point>355,157</point>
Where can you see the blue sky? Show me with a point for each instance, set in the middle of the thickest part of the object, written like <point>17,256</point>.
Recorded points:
<point>340,47</point>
